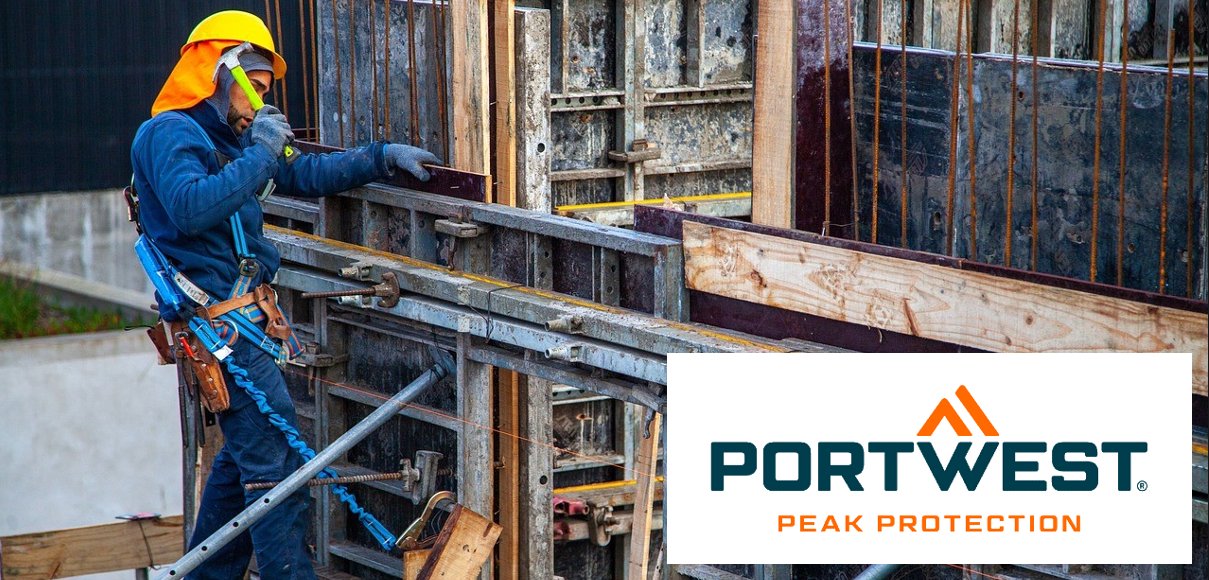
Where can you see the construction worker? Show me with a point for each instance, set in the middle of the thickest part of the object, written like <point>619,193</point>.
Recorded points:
<point>203,157</point>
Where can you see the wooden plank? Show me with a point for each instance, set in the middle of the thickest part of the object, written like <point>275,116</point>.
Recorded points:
<point>931,301</point>
<point>773,126</point>
<point>92,549</point>
<point>533,150</point>
<point>463,547</point>
<point>640,533</point>
<point>508,492</point>
<point>471,148</point>
<point>504,58</point>
<point>475,471</point>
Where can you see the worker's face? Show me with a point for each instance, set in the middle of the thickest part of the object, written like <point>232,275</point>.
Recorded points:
<point>240,115</point>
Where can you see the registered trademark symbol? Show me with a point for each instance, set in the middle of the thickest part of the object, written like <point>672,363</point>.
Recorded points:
<point>1142,485</point>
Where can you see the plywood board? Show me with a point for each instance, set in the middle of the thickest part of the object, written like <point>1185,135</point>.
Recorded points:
<point>930,301</point>
<point>773,132</point>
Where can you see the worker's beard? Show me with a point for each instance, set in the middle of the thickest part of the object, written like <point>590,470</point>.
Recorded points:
<point>233,119</point>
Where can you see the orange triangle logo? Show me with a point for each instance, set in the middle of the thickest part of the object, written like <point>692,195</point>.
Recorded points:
<point>944,410</point>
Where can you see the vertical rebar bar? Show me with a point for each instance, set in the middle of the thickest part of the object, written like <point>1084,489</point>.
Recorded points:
<point>315,67</point>
<point>1121,164</point>
<point>877,118</point>
<point>971,140</point>
<point>1166,161</point>
<point>386,104</point>
<point>373,67</point>
<point>902,188</point>
<point>352,68</point>
<point>411,72</point>
<point>826,116</point>
<point>1011,169</point>
<point>1095,177</point>
<point>851,36</point>
<point>1033,236</point>
<point>438,28</point>
<point>285,94</point>
<point>306,79</point>
<point>953,98</point>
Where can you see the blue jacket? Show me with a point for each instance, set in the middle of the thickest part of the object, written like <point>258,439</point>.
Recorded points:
<point>186,199</point>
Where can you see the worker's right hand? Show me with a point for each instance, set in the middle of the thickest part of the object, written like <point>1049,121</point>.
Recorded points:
<point>271,129</point>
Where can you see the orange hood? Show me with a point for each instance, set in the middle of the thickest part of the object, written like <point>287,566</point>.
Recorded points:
<point>191,82</point>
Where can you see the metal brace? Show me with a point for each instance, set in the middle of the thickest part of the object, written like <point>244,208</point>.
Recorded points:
<point>569,353</point>
<point>600,524</point>
<point>640,150</point>
<point>311,357</point>
<point>460,229</point>
<point>568,323</point>
<point>357,271</point>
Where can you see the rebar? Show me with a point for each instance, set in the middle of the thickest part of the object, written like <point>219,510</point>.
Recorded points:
<point>316,482</point>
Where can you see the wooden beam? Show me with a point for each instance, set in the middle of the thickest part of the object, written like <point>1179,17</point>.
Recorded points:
<point>640,532</point>
<point>508,482</point>
<point>92,549</point>
<point>773,128</point>
<point>471,147</point>
<point>504,58</point>
<point>931,301</point>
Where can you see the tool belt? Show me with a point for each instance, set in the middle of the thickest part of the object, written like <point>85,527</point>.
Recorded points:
<point>202,369</point>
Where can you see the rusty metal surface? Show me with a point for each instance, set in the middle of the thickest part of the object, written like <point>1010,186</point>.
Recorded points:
<point>823,168</point>
<point>1066,197</point>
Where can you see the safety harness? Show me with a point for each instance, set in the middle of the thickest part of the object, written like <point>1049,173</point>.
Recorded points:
<point>219,324</point>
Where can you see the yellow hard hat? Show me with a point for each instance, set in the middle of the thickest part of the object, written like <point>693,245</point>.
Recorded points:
<point>241,26</point>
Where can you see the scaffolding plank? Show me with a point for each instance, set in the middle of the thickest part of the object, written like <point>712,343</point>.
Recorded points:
<point>92,549</point>
<point>968,308</point>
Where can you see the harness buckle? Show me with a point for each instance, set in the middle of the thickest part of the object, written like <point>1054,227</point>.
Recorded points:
<point>249,267</point>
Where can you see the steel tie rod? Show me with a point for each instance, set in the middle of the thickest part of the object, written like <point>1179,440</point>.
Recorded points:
<point>250,515</point>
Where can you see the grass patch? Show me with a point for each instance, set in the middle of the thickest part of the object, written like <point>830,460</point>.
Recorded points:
<point>24,313</point>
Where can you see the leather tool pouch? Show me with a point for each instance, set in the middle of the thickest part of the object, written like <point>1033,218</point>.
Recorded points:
<point>159,338</point>
<point>204,371</point>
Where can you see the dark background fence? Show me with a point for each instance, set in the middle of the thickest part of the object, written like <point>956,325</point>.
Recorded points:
<point>77,78</point>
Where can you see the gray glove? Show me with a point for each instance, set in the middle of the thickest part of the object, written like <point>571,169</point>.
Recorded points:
<point>271,129</point>
<point>409,159</point>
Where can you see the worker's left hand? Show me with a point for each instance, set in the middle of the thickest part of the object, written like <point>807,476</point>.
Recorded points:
<point>410,159</point>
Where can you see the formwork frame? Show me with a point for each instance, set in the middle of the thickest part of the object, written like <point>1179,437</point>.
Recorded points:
<point>492,299</point>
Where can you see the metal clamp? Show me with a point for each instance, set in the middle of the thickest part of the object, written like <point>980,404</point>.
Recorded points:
<point>356,271</point>
<point>640,150</point>
<point>568,323</point>
<point>459,229</point>
<point>569,353</point>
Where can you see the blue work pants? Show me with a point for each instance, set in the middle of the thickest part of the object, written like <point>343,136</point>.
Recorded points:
<point>254,451</point>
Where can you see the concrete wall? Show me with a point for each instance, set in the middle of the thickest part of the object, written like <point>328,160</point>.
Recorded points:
<point>89,430</point>
<point>80,233</point>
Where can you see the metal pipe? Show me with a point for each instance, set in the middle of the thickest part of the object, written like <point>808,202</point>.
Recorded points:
<point>878,572</point>
<point>253,513</point>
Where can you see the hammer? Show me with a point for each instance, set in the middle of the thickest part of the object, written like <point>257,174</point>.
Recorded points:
<point>230,59</point>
